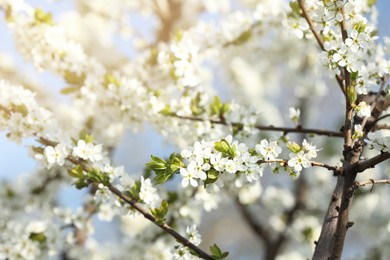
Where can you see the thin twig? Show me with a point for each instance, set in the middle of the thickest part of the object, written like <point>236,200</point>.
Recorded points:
<point>380,118</point>
<point>184,241</point>
<point>382,127</point>
<point>371,181</point>
<point>370,163</point>
<point>319,40</point>
<point>337,170</point>
<point>267,128</point>
<point>133,203</point>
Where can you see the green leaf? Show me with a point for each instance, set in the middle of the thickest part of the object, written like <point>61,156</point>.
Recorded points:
<point>76,172</point>
<point>163,177</point>
<point>196,109</point>
<point>161,212</point>
<point>166,111</point>
<point>111,79</point>
<point>215,106</point>
<point>222,146</point>
<point>81,183</point>
<point>164,170</point>
<point>243,38</point>
<point>217,253</point>
<point>88,138</point>
<point>42,17</point>
<point>172,196</point>
<point>354,75</point>
<point>20,108</point>
<point>237,128</point>
<point>38,237</point>
<point>69,90</point>
<point>156,164</point>
<point>213,174</point>
<point>295,9</point>
<point>134,191</point>
<point>225,108</point>
<point>74,79</point>
<point>95,175</point>
<point>370,3</point>
<point>293,147</point>
<point>37,149</point>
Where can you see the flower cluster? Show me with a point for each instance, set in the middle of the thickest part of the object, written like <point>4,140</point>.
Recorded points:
<point>21,115</point>
<point>208,162</point>
<point>378,141</point>
<point>362,109</point>
<point>300,156</point>
<point>347,49</point>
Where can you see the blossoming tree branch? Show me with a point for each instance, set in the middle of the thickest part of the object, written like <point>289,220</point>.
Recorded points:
<point>277,111</point>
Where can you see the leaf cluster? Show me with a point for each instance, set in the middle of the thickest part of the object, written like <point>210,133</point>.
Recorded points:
<point>164,169</point>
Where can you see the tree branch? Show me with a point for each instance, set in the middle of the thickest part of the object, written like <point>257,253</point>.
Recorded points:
<point>319,40</point>
<point>370,163</point>
<point>256,227</point>
<point>337,170</point>
<point>133,203</point>
<point>371,181</point>
<point>184,241</point>
<point>268,128</point>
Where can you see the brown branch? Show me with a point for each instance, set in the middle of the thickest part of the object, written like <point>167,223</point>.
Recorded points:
<point>168,19</point>
<point>370,163</point>
<point>319,40</point>
<point>133,203</point>
<point>300,202</point>
<point>382,127</point>
<point>267,128</point>
<point>311,26</point>
<point>337,170</point>
<point>380,118</point>
<point>256,227</point>
<point>184,241</point>
<point>371,181</point>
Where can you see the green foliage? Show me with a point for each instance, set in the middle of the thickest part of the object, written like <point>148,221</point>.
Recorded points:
<point>42,18</point>
<point>160,213</point>
<point>196,108</point>
<point>74,79</point>
<point>224,147</point>
<point>164,169</point>
<point>166,111</point>
<point>111,79</point>
<point>293,147</point>
<point>69,90</point>
<point>134,191</point>
<point>76,172</point>
<point>38,237</point>
<point>360,26</point>
<point>217,253</point>
<point>84,178</point>
<point>243,38</point>
<point>218,108</point>
<point>88,138</point>
<point>370,3</point>
<point>172,197</point>
<point>308,234</point>
<point>95,175</point>
<point>212,176</point>
<point>20,108</point>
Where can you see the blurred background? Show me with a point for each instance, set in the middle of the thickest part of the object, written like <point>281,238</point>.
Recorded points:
<point>135,149</point>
